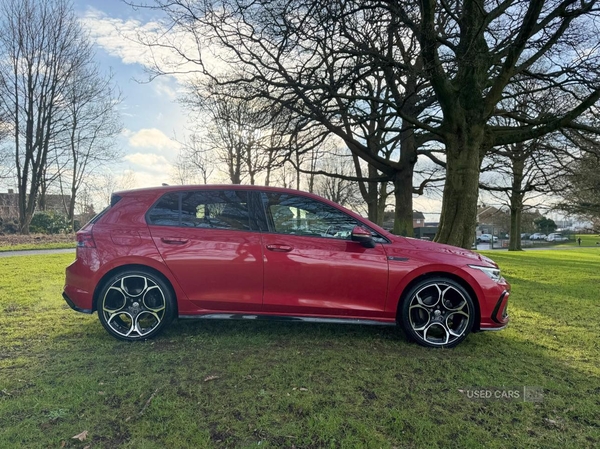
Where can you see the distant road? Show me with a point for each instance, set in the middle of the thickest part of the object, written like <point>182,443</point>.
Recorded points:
<point>36,252</point>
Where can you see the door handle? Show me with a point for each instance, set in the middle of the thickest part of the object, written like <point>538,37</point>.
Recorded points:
<point>279,248</point>
<point>174,240</point>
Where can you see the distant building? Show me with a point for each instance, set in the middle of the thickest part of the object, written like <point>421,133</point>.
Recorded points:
<point>9,204</point>
<point>388,220</point>
<point>418,219</point>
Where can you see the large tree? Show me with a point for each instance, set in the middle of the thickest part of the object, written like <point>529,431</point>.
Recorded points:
<point>581,187</point>
<point>473,51</point>
<point>313,57</point>
<point>342,66</point>
<point>42,45</point>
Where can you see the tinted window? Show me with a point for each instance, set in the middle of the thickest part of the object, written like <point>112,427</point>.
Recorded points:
<point>215,209</point>
<point>298,215</point>
<point>166,211</point>
<point>202,209</point>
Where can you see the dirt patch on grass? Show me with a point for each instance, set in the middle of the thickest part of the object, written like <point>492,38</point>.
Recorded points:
<point>34,239</point>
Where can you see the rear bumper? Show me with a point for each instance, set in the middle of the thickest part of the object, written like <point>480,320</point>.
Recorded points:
<point>74,307</point>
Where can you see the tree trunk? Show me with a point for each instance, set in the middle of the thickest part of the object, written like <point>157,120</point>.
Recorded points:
<point>372,197</point>
<point>516,204</point>
<point>461,190</point>
<point>381,202</point>
<point>403,215</point>
<point>514,241</point>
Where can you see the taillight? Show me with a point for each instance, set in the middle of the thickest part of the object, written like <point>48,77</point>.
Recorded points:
<point>85,239</point>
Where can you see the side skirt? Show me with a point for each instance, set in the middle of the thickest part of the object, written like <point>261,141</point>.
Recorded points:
<point>233,316</point>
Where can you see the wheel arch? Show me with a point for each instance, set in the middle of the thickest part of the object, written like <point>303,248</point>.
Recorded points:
<point>442,274</point>
<point>132,266</point>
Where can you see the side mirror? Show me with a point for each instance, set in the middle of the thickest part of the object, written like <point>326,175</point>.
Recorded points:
<point>362,236</point>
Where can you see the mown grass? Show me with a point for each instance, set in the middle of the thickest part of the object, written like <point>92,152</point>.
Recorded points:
<point>28,246</point>
<point>301,385</point>
<point>592,240</point>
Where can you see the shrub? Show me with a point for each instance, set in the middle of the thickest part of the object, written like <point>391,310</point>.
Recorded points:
<point>49,223</point>
<point>8,226</point>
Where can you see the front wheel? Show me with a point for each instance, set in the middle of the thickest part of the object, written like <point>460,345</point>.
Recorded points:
<point>437,312</point>
<point>135,305</point>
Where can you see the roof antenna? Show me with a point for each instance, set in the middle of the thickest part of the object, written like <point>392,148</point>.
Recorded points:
<point>164,184</point>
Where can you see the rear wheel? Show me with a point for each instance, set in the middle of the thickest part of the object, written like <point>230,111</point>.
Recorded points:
<point>437,312</point>
<point>135,305</point>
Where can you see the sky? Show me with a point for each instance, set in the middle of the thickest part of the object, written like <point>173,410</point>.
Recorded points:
<point>153,121</point>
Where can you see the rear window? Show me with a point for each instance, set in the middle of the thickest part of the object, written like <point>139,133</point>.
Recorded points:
<point>212,209</point>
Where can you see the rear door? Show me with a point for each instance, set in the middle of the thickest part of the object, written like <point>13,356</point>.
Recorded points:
<point>209,239</point>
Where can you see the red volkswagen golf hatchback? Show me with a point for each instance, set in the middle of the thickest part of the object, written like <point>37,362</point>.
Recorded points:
<point>252,252</point>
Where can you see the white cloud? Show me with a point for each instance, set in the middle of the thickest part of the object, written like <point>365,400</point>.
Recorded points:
<point>126,40</point>
<point>151,138</point>
<point>148,162</point>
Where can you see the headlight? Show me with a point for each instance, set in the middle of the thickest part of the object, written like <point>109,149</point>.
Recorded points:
<point>493,273</point>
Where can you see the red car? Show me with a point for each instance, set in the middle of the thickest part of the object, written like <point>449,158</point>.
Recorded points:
<point>248,252</point>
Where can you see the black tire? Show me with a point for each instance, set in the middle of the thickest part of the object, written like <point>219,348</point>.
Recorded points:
<point>437,313</point>
<point>135,305</point>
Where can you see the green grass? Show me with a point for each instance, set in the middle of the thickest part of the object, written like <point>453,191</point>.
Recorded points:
<point>586,240</point>
<point>26,246</point>
<point>301,385</point>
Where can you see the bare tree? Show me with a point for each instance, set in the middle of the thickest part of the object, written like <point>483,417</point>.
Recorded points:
<point>194,164</point>
<point>346,67</point>
<point>338,189</point>
<point>580,187</point>
<point>523,172</point>
<point>238,133</point>
<point>41,45</point>
<point>102,186</point>
<point>310,56</point>
<point>91,122</point>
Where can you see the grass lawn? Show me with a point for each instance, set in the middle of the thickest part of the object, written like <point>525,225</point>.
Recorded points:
<point>586,240</point>
<point>255,384</point>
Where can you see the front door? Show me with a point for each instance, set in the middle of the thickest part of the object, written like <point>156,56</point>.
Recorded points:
<point>312,267</point>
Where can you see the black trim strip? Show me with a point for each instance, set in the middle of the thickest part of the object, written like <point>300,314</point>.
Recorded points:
<point>74,307</point>
<point>239,316</point>
<point>497,308</point>
<point>398,259</point>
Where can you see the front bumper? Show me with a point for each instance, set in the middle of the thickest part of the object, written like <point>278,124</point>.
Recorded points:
<point>499,318</point>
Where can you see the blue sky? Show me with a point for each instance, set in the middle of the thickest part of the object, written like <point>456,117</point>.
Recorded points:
<point>152,119</point>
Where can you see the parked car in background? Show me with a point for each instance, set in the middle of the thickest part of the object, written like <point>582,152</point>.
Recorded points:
<point>249,252</point>
<point>556,237</point>
<point>486,238</point>
<point>537,236</point>
<point>525,236</point>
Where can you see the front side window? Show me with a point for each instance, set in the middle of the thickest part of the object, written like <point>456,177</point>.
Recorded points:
<point>298,215</point>
<point>213,209</point>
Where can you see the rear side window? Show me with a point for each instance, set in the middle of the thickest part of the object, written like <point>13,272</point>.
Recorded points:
<point>114,199</point>
<point>213,209</point>
<point>166,211</point>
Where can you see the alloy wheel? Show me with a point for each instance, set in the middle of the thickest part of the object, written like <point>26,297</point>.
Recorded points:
<point>439,314</point>
<point>133,306</point>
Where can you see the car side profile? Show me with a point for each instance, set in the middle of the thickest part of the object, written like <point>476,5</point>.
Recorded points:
<point>487,238</point>
<point>249,252</point>
<point>556,237</point>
